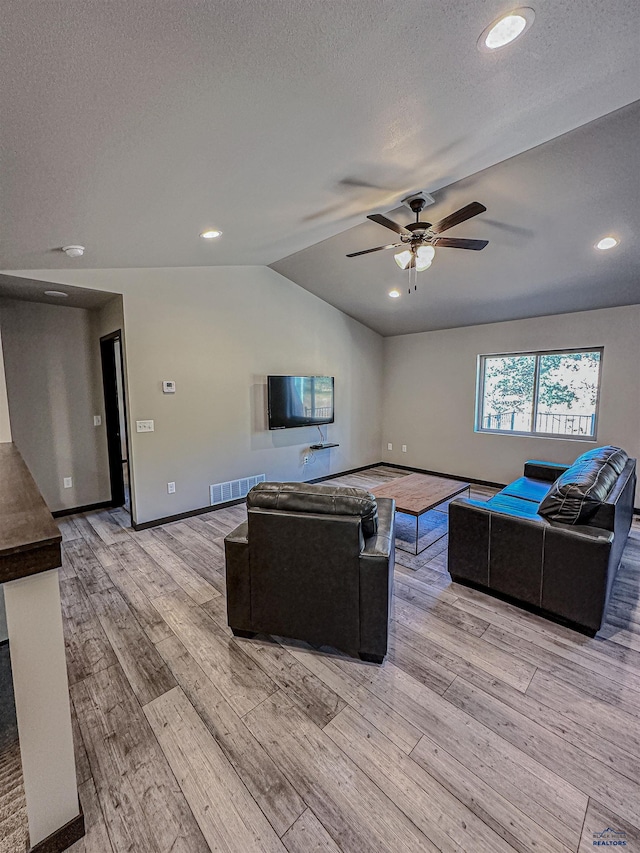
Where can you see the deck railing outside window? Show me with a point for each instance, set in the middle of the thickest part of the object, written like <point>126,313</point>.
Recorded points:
<point>553,424</point>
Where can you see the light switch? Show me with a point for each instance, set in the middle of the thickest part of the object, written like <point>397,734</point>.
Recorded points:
<point>97,420</point>
<point>389,446</point>
<point>67,482</point>
<point>404,448</point>
<point>144,426</point>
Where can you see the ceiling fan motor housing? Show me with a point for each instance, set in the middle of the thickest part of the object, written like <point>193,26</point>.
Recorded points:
<point>418,229</point>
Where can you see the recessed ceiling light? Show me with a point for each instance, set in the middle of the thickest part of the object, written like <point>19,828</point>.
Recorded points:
<point>211,234</point>
<point>394,294</point>
<point>607,243</point>
<point>506,29</point>
<point>59,293</point>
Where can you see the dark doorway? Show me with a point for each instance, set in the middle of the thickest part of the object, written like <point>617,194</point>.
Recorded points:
<point>115,417</point>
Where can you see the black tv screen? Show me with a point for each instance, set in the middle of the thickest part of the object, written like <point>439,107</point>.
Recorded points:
<point>297,401</point>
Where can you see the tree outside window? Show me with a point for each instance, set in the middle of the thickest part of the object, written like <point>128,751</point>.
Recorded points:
<point>545,393</point>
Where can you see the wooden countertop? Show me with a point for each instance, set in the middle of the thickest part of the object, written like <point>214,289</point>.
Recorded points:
<point>29,537</point>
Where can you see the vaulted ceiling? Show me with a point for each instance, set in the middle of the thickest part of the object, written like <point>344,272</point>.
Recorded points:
<point>130,127</point>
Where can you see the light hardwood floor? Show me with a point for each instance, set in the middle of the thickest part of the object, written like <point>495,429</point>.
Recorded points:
<point>486,729</point>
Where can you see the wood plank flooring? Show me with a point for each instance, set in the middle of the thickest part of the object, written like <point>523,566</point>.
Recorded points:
<point>486,729</point>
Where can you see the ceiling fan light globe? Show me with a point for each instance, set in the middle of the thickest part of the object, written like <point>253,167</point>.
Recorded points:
<point>421,266</point>
<point>425,254</point>
<point>403,259</point>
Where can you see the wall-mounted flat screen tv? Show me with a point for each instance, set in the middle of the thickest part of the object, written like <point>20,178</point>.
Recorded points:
<point>297,401</point>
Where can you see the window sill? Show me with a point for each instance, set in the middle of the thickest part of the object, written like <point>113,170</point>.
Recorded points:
<point>591,439</point>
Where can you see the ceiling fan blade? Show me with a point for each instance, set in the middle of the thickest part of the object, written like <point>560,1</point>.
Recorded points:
<point>388,223</point>
<point>461,215</point>
<point>377,249</point>
<point>458,243</point>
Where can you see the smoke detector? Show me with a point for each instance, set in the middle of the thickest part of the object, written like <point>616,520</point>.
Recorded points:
<point>73,251</point>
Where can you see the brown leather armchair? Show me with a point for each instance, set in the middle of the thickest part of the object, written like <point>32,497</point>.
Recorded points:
<point>314,563</point>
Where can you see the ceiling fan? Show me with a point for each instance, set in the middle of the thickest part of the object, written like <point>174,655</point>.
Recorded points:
<point>421,238</point>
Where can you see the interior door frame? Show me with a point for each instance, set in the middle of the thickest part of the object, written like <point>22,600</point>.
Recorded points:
<point>111,415</point>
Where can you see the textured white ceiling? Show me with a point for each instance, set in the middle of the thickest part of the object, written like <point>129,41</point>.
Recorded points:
<point>546,209</point>
<point>131,126</point>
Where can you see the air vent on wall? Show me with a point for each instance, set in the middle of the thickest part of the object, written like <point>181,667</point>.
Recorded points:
<point>234,489</point>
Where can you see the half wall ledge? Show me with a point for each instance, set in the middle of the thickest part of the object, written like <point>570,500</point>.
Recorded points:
<point>30,556</point>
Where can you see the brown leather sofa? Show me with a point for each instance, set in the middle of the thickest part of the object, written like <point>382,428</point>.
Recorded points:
<point>551,540</point>
<point>315,563</point>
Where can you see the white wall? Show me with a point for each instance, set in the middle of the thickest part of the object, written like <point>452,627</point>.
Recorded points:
<point>218,332</point>
<point>3,616</point>
<point>5,424</point>
<point>50,365</point>
<point>110,318</point>
<point>5,435</point>
<point>430,385</point>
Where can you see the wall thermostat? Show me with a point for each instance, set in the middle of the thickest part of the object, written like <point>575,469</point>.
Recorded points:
<point>168,386</point>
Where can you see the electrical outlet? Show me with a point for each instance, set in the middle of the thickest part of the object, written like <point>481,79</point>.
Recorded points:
<point>404,448</point>
<point>68,482</point>
<point>144,426</point>
<point>389,446</point>
<point>305,460</point>
<point>171,488</point>
<point>97,420</point>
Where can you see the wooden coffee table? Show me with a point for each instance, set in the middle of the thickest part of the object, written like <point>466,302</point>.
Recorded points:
<point>416,494</point>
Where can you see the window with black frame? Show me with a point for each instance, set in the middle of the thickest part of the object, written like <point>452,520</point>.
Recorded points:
<point>553,394</point>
